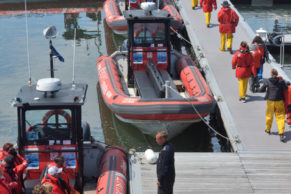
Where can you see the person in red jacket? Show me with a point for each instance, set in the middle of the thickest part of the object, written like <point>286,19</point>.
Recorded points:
<point>208,5</point>
<point>59,162</point>
<point>54,178</point>
<point>12,173</point>
<point>9,150</point>
<point>228,21</point>
<point>242,62</point>
<point>4,188</point>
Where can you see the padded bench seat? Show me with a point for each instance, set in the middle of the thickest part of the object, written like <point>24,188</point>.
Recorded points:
<point>144,85</point>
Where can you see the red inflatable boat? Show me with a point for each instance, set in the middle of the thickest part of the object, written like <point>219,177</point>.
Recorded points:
<point>116,21</point>
<point>113,174</point>
<point>149,85</point>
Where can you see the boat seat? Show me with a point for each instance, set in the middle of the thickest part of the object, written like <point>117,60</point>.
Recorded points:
<point>144,85</point>
<point>173,92</point>
<point>156,78</point>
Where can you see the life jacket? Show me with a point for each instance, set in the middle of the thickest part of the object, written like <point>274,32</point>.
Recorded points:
<point>228,20</point>
<point>63,174</point>
<point>242,62</point>
<point>18,160</point>
<point>58,184</point>
<point>4,188</point>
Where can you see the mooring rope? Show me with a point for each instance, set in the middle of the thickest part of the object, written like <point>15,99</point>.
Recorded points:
<point>236,140</point>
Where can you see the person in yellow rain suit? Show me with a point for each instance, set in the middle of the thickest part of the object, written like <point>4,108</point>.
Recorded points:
<point>194,4</point>
<point>275,102</point>
<point>208,6</point>
<point>228,20</point>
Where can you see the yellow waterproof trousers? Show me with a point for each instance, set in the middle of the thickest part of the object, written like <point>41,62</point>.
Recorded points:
<point>242,86</point>
<point>228,42</point>
<point>278,108</point>
<point>194,3</point>
<point>207,16</point>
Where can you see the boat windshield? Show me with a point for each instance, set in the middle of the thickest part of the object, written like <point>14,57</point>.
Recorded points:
<point>48,126</point>
<point>146,34</point>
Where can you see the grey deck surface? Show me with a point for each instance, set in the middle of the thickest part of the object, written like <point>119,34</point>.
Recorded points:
<point>248,118</point>
<point>225,173</point>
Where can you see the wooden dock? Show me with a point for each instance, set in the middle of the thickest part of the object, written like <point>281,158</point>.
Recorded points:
<point>225,173</point>
<point>260,163</point>
<point>246,121</point>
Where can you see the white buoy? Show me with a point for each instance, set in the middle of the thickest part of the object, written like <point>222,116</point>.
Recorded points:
<point>150,156</point>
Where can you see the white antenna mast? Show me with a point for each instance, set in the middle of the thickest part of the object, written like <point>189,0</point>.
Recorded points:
<point>27,50</point>
<point>74,53</point>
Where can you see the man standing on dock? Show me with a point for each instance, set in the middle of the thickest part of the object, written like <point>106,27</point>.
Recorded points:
<point>275,102</point>
<point>165,164</point>
<point>208,5</point>
<point>228,20</point>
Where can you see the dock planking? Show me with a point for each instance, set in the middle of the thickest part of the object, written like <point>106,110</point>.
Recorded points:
<point>225,173</point>
<point>248,119</point>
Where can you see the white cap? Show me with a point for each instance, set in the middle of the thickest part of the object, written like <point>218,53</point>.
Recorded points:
<point>54,170</point>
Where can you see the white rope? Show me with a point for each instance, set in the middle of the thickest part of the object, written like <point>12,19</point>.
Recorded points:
<point>180,36</point>
<point>216,132</point>
<point>194,108</point>
<point>27,47</point>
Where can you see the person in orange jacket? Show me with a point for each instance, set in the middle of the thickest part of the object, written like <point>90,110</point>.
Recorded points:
<point>54,178</point>
<point>242,62</point>
<point>208,6</point>
<point>4,188</point>
<point>12,173</point>
<point>228,20</point>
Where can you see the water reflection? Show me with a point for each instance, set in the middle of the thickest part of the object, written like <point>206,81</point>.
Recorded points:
<point>13,65</point>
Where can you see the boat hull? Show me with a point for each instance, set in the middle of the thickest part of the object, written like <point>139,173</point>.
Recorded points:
<point>151,128</point>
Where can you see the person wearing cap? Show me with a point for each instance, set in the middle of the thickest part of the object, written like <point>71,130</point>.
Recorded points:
<point>9,150</point>
<point>194,4</point>
<point>59,162</point>
<point>4,188</point>
<point>228,20</point>
<point>208,6</point>
<point>165,164</point>
<point>54,178</point>
<point>275,102</point>
<point>12,173</point>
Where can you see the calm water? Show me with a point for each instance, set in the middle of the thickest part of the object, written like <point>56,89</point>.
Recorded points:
<point>273,19</point>
<point>91,43</point>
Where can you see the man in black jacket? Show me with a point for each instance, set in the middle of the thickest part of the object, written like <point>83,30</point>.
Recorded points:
<point>165,165</point>
<point>275,102</point>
